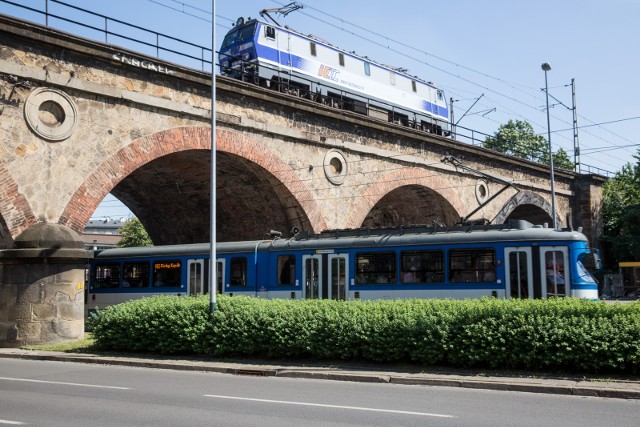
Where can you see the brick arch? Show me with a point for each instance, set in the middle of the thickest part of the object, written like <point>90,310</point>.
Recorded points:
<point>234,142</point>
<point>400,178</point>
<point>524,198</point>
<point>150,147</point>
<point>15,210</point>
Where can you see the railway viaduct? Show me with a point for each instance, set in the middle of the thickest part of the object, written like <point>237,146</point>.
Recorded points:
<point>80,119</point>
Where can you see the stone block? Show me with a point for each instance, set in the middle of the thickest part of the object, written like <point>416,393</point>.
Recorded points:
<point>29,332</point>
<point>22,313</point>
<point>70,311</point>
<point>66,330</point>
<point>41,312</point>
<point>31,293</point>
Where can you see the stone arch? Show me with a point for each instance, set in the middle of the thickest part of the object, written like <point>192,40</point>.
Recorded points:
<point>528,206</point>
<point>406,181</point>
<point>15,211</point>
<point>179,140</point>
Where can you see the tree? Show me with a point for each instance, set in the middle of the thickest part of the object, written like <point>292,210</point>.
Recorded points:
<point>621,213</point>
<point>134,234</point>
<point>518,139</point>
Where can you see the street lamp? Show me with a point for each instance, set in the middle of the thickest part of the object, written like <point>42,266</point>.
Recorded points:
<point>546,67</point>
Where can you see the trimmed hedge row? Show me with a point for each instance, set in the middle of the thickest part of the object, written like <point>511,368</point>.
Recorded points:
<point>557,334</point>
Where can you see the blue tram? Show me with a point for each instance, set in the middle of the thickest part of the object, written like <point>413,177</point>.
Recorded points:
<point>516,260</point>
<point>280,58</point>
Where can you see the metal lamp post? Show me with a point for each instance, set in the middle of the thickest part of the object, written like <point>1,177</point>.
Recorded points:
<point>546,67</point>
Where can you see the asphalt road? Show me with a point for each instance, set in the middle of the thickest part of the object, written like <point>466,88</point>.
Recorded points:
<point>48,393</point>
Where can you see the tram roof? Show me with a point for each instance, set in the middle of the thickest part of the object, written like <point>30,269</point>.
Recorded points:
<point>518,231</point>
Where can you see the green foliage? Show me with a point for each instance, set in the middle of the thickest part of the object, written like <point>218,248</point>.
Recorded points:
<point>556,334</point>
<point>621,214</point>
<point>517,138</point>
<point>134,234</point>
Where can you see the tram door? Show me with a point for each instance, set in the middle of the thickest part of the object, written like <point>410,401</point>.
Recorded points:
<point>196,280</point>
<point>312,276</point>
<point>338,274</point>
<point>554,268</point>
<point>518,272</point>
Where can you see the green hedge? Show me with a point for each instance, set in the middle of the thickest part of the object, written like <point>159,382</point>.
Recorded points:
<point>557,334</point>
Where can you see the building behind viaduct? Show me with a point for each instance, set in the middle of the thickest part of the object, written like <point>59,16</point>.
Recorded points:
<point>80,119</point>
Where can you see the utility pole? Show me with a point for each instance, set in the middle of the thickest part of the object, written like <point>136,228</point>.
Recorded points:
<point>576,144</point>
<point>453,126</point>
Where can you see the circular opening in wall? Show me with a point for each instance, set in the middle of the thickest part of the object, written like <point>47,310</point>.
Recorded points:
<point>482,191</point>
<point>51,113</point>
<point>335,167</point>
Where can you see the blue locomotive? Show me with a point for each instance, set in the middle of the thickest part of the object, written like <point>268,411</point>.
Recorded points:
<point>282,59</point>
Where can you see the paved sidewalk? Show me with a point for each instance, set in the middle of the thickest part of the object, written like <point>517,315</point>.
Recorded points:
<point>609,387</point>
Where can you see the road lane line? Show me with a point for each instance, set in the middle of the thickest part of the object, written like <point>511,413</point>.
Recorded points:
<point>320,405</point>
<point>15,423</point>
<point>62,383</point>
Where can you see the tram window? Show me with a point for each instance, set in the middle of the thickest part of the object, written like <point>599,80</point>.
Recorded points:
<point>367,68</point>
<point>136,275</point>
<point>440,95</point>
<point>286,269</point>
<point>238,271</point>
<point>554,261</point>
<point>167,273</point>
<point>312,46</point>
<point>422,267</point>
<point>413,86</point>
<point>341,59</point>
<point>376,267</point>
<point>106,276</point>
<point>472,265</point>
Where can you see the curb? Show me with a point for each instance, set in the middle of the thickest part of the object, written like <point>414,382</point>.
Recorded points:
<point>619,391</point>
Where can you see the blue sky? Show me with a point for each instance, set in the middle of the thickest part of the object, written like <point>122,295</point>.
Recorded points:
<point>467,47</point>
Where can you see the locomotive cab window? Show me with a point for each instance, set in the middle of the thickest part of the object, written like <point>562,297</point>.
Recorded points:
<point>440,95</point>
<point>167,273</point>
<point>376,267</point>
<point>270,32</point>
<point>286,269</point>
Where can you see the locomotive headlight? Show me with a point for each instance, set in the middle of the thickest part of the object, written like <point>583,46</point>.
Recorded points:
<point>246,56</point>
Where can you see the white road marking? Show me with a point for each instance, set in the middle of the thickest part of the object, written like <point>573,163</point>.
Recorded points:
<point>15,423</point>
<point>62,383</point>
<point>355,408</point>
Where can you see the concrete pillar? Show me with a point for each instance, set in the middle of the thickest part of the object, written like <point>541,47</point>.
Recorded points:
<point>42,287</point>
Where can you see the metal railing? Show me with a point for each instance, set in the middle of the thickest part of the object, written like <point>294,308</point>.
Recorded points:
<point>162,46</point>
